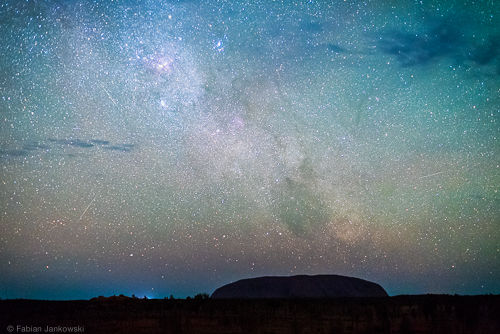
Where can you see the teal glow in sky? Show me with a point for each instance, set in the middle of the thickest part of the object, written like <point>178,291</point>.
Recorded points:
<point>170,147</point>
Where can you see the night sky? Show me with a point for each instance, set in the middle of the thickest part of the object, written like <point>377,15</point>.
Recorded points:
<point>169,147</point>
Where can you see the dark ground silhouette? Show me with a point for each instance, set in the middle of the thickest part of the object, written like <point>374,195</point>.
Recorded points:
<point>400,314</point>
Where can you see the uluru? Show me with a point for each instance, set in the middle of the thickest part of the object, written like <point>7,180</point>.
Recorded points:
<point>300,286</point>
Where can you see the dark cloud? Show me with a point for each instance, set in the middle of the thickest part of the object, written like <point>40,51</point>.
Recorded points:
<point>13,153</point>
<point>443,40</point>
<point>79,143</point>
<point>413,49</point>
<point>106,144</point>
<point>99,142</point>
<point>26,149</point>
<point>72,142</point>
<point>120,147</point>
<point>488,52</point>
<point>33,146</point>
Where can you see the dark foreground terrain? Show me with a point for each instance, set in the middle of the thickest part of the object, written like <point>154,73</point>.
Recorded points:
<point>401,314</point>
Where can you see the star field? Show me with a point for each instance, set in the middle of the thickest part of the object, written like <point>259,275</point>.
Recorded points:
<point>169,147</point>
